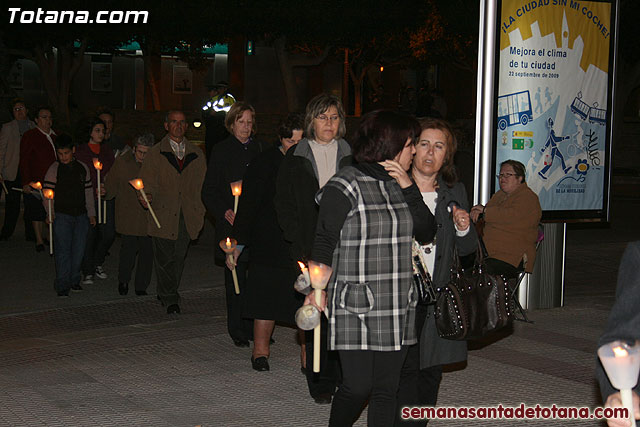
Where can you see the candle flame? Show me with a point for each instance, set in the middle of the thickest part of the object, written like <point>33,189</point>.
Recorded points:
<point>37,185</point>
<point>316,270</point>
<point>302,266</point>
<point>48,193</point>
<point>97,164</point>
<point>228,243</point>
<point>236,188</point>
<point>137,184</point>
<point>620,352</point>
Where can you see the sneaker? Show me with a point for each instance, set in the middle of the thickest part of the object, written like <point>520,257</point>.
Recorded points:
<point>88,279</point>
<point>100,274</point>
<point>76,288</point>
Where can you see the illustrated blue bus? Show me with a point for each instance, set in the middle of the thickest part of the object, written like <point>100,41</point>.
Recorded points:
<point>584,111</point>
<point>513,109</point>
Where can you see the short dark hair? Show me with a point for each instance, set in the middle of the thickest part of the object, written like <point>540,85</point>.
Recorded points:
<point>382,134</point>
<point>42,107</point>
<point>317,106</point>
<point>235,112</point>
<point>448,170</point>
<point>293,121</point>
<point>64,141</point>
<point>13,103</point>
<point>518,168</point>
<point>85,127</point>
<point>105,110</point>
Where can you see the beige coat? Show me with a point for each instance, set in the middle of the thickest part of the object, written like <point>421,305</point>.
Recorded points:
<point>511,226</point>
<point>131,217</point>
<point>172,191</point>
<point>10,150</point>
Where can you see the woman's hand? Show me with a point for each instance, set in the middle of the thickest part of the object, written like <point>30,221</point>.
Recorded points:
<point>229,216</point>
<point>476,211</point>
<point>142,201</point>
<point>460,218</point>
<point>614,401</point>
<point>101,191</point>
<point>311,300</point>
<point>396,171</point>
<point>231,260</point>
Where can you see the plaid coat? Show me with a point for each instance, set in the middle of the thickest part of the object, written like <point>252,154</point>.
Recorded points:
<point>371,296</point>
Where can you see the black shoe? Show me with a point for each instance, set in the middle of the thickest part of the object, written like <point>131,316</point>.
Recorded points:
<point>260,364</point>
<point>240,343</point>
<point>141,293</point>
<point>76,288</point>
<point>322,399</point>
<point>123,288</point>
<point>63,294</point>
<point>39,248</point>
<point>173,308</point>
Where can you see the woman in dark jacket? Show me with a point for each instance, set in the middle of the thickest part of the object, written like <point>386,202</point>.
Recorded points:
<point>269,294</point>
<point>434,173</point>
<point>228,163</point>
<point>305,169</point>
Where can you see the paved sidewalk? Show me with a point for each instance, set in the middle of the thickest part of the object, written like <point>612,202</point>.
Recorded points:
<point>97,358</point>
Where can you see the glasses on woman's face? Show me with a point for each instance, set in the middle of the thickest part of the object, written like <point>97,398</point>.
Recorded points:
<point>505,175</point>
<point>324,118</point>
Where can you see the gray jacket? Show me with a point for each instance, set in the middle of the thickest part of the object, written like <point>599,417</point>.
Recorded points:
<point>433,349</point>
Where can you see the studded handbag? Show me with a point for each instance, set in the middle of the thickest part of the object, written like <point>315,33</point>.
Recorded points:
<point>421,276</point>
<point>472,305</point>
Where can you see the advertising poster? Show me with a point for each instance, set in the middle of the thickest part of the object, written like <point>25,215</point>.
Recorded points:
<point>553,97</point>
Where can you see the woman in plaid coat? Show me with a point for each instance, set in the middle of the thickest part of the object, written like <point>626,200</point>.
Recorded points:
<point>368,215</point>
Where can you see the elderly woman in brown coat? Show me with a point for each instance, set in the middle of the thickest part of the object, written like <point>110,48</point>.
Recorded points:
<point>131,217</point>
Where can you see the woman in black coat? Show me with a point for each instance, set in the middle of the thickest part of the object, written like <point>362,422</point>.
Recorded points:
<point>228,163</point>
<point>269,295</point>
<point>435,174</point>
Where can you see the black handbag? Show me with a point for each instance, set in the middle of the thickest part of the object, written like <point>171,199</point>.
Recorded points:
<point>421,277</point>
<point>472,306</point>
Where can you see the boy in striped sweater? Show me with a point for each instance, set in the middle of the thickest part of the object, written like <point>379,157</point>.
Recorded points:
<point>73,214</point>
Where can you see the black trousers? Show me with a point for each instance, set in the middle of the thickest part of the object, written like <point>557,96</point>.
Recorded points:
<point>325,381</point>
<point>169,258</point>
<point>496,266</point>
<point>99,240</point>
<point>142,248</point>
<point>372,375</point>
<point>418,387</point>
<point>238,327</point>
<point>12,211</point>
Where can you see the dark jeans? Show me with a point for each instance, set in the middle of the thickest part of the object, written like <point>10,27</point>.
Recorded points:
<point>12,211</point>
<point>69,238</point>
<point>418,387</point>
<point>99,240</point>
<point>143,248</point>
<point>367,374</point>
<point>169,258</point>
<point>325,381</point>
<point>238,327</point>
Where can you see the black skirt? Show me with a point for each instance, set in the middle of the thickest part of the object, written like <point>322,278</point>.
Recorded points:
<point>33,208</point>
<point>270,294</point>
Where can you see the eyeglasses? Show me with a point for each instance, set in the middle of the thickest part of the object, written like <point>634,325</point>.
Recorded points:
<point>18,109</point>
<point>505,175</point>
<point>324,118</point>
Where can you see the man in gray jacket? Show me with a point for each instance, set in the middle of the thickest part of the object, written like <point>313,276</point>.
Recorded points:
<point>10,137</point>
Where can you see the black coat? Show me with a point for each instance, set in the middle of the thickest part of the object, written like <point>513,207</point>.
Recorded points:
<point>272,272</point>
<point>296,188</point>
<point>228,163</point>
<point>433,349</point>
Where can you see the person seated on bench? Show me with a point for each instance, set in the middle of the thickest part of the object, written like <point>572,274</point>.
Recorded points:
<point>511,223</point>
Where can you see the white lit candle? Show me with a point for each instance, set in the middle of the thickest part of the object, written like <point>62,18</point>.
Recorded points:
<point>621,362</point>
<point>236,190</point>
<point>139,185</point>
<point>228,246</point>
<point>98,166</point>
<point>48,194</point>
<point>319,275</point>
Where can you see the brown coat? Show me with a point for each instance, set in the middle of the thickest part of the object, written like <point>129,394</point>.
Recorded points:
<point>511,226</point>
<point>131,217</point>
<point>174,192</point>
